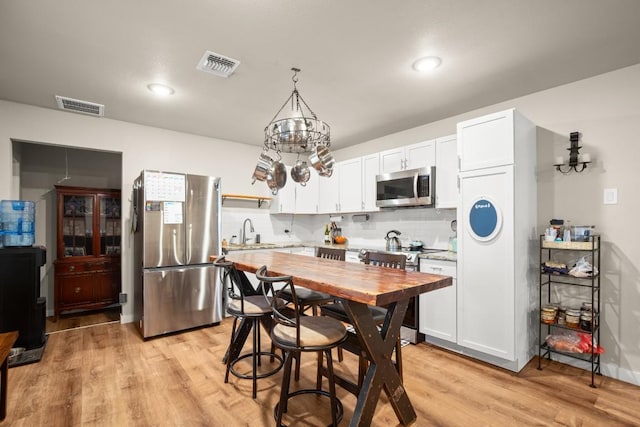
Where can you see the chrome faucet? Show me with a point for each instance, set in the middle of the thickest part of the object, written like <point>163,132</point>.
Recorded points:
<point>243,232</point>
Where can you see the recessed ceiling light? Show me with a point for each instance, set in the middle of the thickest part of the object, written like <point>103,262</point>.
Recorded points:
<point>160,89</point>
<point>427,63</point>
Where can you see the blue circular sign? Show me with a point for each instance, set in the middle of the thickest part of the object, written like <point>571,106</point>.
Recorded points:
<point>485,220</point>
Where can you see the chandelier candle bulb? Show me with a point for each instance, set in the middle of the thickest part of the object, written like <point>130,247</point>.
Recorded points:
<point>586,157</point>
<point>559,161</point>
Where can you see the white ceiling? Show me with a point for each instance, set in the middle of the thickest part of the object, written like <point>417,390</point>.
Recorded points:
<point>355,57</point>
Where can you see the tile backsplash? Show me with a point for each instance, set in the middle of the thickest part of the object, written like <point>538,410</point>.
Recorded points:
<point>431,226</point>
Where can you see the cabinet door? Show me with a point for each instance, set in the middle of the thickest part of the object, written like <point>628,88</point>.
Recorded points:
<point>486,141</point>
<point>285,200</point>
<point>486,288</point>
<point>446,172</point>
<point>110,227</point>
<point>392,160</point>
<point>106,286</point>
<point>420,155</point>
<point>75,289</point>
<point>351,185</point>
<point>329,193</point>
<point>307,195</point>
<point>370,169</point>
<point>76,235</point>
<point>438,309</point>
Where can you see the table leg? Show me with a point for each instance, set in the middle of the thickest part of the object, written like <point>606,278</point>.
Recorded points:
<point>3,388</point>
<point>381,373</point>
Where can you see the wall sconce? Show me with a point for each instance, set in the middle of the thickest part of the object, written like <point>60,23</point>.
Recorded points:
<point>578,162</point>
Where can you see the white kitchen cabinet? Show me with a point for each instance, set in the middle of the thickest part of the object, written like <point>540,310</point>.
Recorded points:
<point>392,160</point>
<point>488,141</point>
<point>352,256</point>
<point>446,172</point>
<point>438,309</point>
<point>496,233</point>
<point>350,192</point>
<point>370,169</point>
<point>306,198</point>
<point>329,193</point>
<point>419,155</point>
<point>285,200</point>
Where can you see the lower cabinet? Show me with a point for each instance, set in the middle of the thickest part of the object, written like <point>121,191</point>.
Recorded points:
<point>438,309</point>
<point>86,284</point>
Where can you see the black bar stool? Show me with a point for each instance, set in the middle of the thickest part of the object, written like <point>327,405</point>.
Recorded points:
<point>294,332</point>
<point>245,305</point>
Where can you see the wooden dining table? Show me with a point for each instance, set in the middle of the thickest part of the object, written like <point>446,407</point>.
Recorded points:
<point>358,286</point>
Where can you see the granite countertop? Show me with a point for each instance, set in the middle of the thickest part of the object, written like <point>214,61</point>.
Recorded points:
<point>284,245</point>
<point>442,256</point>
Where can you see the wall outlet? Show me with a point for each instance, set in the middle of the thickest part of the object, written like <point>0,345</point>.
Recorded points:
<point>122,298</point>
<point>610,196</point>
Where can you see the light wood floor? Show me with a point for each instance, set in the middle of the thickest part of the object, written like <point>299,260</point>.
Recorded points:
<point>107,375</point>
<point>82,319</point>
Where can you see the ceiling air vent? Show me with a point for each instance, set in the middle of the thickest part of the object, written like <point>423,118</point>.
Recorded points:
<point>217,64</point>
<point>78,106</point>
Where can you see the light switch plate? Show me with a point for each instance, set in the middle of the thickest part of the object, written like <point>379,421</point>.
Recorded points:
<point>610,196</point>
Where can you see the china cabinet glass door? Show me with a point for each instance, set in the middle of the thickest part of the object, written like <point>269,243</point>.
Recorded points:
<point>78,225</point>
<point>109,225</point>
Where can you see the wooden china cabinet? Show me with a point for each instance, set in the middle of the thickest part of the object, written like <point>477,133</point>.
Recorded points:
<point>87,268</point>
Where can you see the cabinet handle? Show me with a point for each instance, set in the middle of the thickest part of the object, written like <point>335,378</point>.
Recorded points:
<point>72,268</point>
<point>77,290</point>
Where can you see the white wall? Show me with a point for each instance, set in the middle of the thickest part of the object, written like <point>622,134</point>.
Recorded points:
<point>605,109</point>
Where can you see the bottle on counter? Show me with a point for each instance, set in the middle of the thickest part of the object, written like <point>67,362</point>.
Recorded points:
<point>327,235</point>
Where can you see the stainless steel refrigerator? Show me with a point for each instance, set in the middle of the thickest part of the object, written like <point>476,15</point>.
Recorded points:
<point>176,225</point>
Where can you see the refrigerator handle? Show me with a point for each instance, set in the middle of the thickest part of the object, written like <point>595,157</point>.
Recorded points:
<point>189,232</point>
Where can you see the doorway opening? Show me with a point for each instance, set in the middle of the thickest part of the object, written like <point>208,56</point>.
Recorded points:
<point>37,169</point>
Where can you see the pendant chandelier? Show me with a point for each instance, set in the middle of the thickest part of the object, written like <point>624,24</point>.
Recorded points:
<point>297,131</point>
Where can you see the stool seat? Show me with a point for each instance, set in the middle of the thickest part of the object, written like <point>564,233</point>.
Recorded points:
<point>315,331</point>
<point>254,304</point>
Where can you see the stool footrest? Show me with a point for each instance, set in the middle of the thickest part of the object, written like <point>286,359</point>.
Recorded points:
<point>339,410</point>
<point>251,375</point>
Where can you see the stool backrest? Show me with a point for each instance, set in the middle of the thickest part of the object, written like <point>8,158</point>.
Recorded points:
<point>282,315</point>
<point>398,261</point>
<point>236,282</point>
<point>331,253</point>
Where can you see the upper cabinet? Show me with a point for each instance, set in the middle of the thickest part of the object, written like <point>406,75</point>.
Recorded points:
<point>370,169</point>
<point>499,130</point>
<point>307,196</point>
<point>422,154</point>
<point>295,198</point>
<point>285,200</point>
<point>350,194</point>
<point>352,188</point>
<point>329,192</point>
<point>446,172</point>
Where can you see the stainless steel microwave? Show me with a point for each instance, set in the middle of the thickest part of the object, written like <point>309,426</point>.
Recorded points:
<point>408,188</point>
